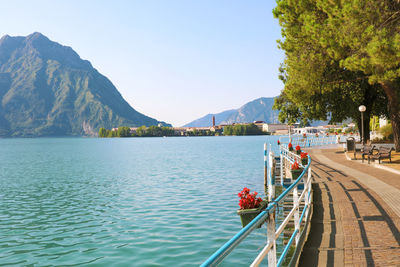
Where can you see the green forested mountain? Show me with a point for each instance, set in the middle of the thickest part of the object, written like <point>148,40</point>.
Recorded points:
<point>46,89</point>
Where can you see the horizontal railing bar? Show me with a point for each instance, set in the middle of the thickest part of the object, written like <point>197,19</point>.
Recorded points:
<point>223,251</point>
<point>284,223</point>
<point>262,254</point>
<point>302,214</point>
<point>282,226</point>
<point>302,195</point>
<point>286,250</point>
<point>294,233</point>
<point>290,188</point>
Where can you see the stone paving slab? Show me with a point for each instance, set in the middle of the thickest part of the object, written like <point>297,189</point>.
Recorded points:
<point>356,219</point>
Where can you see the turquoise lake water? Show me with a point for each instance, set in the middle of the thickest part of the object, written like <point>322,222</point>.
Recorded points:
<point>126,202</point>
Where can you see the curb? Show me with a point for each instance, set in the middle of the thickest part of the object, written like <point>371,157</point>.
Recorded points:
<point>375,165</point>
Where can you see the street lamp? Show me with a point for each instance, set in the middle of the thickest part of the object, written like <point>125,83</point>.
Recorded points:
<point>362,109</point>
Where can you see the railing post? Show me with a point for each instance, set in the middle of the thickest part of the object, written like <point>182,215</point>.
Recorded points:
<point>271,216</point>
<point>281,166</point>
<point>296,213</point>
<point>309,177</point>
<point>307,198</point>
<point>265,168</point>
<point>271,238</point>
<point>271,175</point>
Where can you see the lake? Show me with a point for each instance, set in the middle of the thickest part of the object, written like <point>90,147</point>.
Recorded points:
<point>126,202</point>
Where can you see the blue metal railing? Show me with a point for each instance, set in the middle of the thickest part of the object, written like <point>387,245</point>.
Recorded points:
<point>229,246</point>
<point>310,140</point>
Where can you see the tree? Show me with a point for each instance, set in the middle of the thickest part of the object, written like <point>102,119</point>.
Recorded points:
<point>167,131</point>
<point>124,131</point>
<point>102,132</point>
<point>154,131</point>
<point>141,131</point>
<point>228,130</point>
<point>242,129</point>
<point>342,48</point>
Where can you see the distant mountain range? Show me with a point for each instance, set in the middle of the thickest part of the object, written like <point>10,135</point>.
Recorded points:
<point>46,89</point>
<point>256,110</point>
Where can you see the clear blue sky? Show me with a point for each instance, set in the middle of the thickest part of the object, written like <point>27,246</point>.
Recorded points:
<point>174,60</point>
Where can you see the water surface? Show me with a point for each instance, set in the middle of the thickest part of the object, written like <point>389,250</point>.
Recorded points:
<point>126,202</point>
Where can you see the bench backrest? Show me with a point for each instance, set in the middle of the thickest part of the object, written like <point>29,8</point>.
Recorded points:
<point>385,150</point>
<point>368,149</point>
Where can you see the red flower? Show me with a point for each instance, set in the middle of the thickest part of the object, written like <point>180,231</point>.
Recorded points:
<point>290,145</point>
<point>297,148</point>
<point>303,155</point>
<point>295,166</point>
<point>247,200</point>
<point>279,142</point>
<point>304,135</point>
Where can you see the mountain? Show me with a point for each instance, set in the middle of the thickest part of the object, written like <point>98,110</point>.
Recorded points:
<point>206,121</point>
<point>256,110</point>
<point>46,89</point>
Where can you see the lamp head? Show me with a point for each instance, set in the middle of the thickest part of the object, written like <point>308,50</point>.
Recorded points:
<point>362,108</point>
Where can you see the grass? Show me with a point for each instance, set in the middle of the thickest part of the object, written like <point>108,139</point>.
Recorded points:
<point>395,161</point>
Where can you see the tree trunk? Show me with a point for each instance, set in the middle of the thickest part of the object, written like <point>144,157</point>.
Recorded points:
<point>394,110</point>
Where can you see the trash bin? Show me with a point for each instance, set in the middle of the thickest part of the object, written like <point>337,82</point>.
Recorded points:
<point>351,144</point>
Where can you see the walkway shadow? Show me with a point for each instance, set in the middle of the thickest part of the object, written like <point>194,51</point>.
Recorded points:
<point>325,179</point>
<point>309,256</point>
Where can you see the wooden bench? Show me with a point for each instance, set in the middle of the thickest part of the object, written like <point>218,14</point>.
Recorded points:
<point>383,153</point>
<point>366,151</point>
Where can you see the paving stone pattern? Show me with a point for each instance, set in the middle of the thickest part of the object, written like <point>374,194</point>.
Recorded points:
<point>351,224</point>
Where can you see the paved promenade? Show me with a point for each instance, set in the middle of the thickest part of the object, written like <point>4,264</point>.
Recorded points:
<point>356,219</point>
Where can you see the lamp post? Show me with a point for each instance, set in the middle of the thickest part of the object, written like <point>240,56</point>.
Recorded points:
<point>362,109</point>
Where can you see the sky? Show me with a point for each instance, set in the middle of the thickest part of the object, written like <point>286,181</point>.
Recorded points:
<point>173,60</point>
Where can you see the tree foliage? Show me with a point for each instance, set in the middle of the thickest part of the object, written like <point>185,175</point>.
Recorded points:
<point>142,131</point>
<point>243,129</point>
<point>124,131</point>
<point>339,55</point>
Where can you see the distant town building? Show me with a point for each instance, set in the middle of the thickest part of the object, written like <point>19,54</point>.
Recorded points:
<point>307,130</point>
<point>260,125</point>
<point>275,127</point>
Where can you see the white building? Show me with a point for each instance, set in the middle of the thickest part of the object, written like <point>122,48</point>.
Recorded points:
<point>273,127</point>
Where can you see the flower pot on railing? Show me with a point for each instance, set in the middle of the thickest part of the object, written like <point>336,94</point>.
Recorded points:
<point>250,206</point>
<point>290,147</point>
<point>247,215</point>
<point>296,173</point>
<point>298,150</point>
<point>304,158</point>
